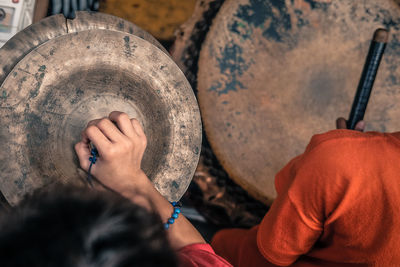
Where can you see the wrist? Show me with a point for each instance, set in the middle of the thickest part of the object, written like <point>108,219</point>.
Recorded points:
<point>138,182</point>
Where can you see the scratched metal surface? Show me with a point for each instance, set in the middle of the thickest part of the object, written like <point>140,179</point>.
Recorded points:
<point>36,34</point>
<point>273,73</point>
<point>55,89</point>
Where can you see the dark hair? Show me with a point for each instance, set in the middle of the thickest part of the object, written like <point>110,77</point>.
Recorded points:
<point>68,226</point>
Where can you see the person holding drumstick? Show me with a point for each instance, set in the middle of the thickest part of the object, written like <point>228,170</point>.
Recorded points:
<point>338,202</point>
<point>337,205</point>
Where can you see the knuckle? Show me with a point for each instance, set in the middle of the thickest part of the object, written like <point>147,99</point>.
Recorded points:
<point>135,123</point>
<point>91,129</point>
<point>103,123</point>
<point>125,145</point>
<point>143,141</point>
<point>76,146</point>
<point>90,123</point>
<point>122,116</point>
<point>111,151</point>
<point>129,145</point>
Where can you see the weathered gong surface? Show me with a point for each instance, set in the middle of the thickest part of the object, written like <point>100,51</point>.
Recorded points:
<point>56,88</point>
<point>273,73</point>
<point>36,34</point>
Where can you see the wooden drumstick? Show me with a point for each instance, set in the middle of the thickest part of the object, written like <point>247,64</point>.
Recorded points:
<point>368,75</point>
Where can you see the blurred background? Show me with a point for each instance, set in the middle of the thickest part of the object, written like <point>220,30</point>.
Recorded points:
<point>160,18</point>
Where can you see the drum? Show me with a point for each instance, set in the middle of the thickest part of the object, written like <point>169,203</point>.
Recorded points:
<point>217,197</point>
<point>59,74</point>
<point>273,73</point>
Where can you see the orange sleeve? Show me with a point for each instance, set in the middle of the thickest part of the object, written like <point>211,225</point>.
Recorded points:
<point>283,235</point>
<point>239,247</point>
<point>306,187</point>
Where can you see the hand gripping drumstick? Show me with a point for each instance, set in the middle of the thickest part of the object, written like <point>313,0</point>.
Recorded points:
<point>367,79</point>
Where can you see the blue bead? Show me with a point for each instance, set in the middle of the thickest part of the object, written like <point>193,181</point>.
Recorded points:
<point>171,220</point>
<point>174,203</point>
<point>94,151</point>
<point>175,215</point>
<point>166,225</point>
<point>177,210</point>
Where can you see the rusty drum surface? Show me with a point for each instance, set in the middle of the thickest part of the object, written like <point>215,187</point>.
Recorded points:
<point>58,85</point>
<point>273,73</point>
<point>217,197</point>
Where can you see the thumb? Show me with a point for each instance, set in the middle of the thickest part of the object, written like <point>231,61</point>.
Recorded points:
<point>341,123</point>
<point>83,153</point>
<point>360,126</point>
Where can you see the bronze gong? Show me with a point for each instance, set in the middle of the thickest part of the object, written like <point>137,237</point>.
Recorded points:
<point>57,25</point>
<point>56,87</point>
<point>273,73</point>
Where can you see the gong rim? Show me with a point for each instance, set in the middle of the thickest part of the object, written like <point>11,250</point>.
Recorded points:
<point>48,28</point>
<point>41,68</point>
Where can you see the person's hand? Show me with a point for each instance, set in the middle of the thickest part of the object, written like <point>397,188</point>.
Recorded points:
<point>341,123</point>
<point>118,168</point>
<point>120,151</point>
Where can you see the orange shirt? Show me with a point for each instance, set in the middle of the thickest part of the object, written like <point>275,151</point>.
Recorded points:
<point>338,204</point>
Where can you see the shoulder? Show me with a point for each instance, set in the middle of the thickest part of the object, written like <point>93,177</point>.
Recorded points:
<point>343,145</point>
<point>340,137</point>
<point>338,155</point>
<point>344,153</point>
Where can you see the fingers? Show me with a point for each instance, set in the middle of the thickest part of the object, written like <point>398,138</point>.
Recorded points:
<point>137,127</point>
<point>103,132</point>
<point>84,137</point>
<point>97,137</point>
<point>108,128</point>
<point>141,140</point>
<point>360,126</point>
<point>93,122</point>
<point>123,122</point>
<point>82,150</point>
<point>341,123</point>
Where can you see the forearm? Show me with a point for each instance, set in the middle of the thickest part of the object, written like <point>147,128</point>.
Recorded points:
<point>181,233</point>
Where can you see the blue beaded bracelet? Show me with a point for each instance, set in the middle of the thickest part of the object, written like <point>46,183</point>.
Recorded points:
<point>175,214</point>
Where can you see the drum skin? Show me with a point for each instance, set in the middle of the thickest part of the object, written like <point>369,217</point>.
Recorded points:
<point>273,73</point>
<point>55,88</point>
<point>217,197</point>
